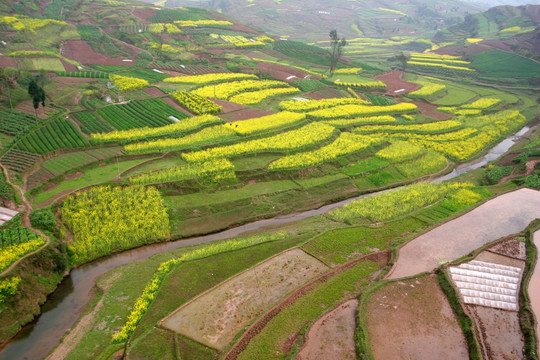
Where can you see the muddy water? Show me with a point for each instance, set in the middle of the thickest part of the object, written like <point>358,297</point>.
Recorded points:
<point>507,214</point>
<point>534,286</point>
<point>64,306</point>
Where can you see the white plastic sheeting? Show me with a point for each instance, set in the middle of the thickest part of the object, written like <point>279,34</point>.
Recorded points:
<point>6,215</point>
<point>488,284</point>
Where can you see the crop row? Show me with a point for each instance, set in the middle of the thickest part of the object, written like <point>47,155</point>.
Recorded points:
<point>345,144</point>
<point>308,85</point>
<point>225,90</point>
<point>294,140</point>
<point>57,134</point>
<point>15,122</point>
<point>222,169</point>
<point>84,74</point>
<point>151,112</point>
<point>209,78</point>
<point>255,97</point>
<point>368,85</point>
<point>125,83</point>
<point>349,111</point>
<point>395,203</point>
<point>179,128</point>
<point>91,123</point>
<point>427,128</point>
<point>310,105</point>
<point>428,89</point>
<point>428,163</point>
<point>202,23</point>
<point>18,161</point>
<point>127,217</point>
<point>274,121</point>
<point>149,75</point>
<point>400,151</point>
<point>440,65</point>
<point>345,123</point>
<point>422,58</point>
<point>348,71</point>
<point>207,136</point>
<point>10,254</point>
<point>16,236</point>
<point>195,103</point>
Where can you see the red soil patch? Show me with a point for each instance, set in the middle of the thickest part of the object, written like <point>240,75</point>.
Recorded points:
<point>281,72</point>
<point>331,337</point>
<point>470,49</point>
<point>28,107</point>
<point>394,83</point>
<point>68,66</point>
<point>154,91</point>
<point>228,107</point>
<point>326,93</point>
<point>73,175</point>
<point>80,51</point>
<point>313,96</point>
<point>413,320</point>
<point>67,80</point>
<point>431,111</point>
<point>175,105</point>
<point>245,114</point>
<point>143,14</point>
<point>6,61</point>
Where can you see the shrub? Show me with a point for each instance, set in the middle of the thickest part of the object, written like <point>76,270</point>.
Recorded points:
<point>43,219</point>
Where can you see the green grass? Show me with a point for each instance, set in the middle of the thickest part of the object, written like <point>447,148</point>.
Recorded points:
<point>186,281</point>
<point>308,183</point>
<point>48,64</point>
<point>342,245</point>
<point>91,177</point>
<point>456,94</point>
<point>156,164</point>
<point>219,197</point>
<point>367,165</point>
<point>253,162</point>
<point>500,64</point>
<point>323,297</point>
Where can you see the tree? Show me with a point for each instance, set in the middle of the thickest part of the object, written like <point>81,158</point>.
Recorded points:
<point>37,94</point>
<point>402,58</point>
<point>337,49</point>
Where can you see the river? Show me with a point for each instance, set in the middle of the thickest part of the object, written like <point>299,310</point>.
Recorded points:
<point>64,306</point>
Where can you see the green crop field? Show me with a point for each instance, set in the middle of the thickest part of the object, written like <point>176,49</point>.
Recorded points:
<point>255,197</point>
<point>497,63</point>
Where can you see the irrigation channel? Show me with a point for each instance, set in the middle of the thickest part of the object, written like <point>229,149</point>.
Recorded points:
<point>64,306</point>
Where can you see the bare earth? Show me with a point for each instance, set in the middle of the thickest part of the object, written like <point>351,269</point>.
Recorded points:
<point>215,317</point>
<point>505,215</point>
<point>500,332</point>
<point>332,336</point>
<point>413,320</point>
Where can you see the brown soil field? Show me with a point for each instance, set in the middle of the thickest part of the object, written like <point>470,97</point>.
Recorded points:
<point>327,93</point>
<point>67,80</point>
<point>511,247</point>
<point>281,72</point>
<point>332,336</point>
<point>499,332</point>
<point>175,105</point>
<point>80,51</point>
<point>154,91</point>
<point>431,111</point>
<point>27,107</point>
<point>216,316</point>
<point>245,114</point>
<point>228,106</point>
<point>413,320</point>
<point>394,82</point>
<point>143,14</point>
<point>6,61</point>
<point>504,215</point>
<point>68,66</point>
<point>491,257</point>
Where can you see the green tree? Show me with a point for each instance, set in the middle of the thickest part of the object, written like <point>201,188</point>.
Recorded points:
<point>337,49</point>
<point>37,94</point>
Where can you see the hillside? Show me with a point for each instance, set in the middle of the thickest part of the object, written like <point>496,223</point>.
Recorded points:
<point>195,187</point>
<point>302,19</point>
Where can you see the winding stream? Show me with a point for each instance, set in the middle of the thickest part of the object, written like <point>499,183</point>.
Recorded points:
<point>64,306</point>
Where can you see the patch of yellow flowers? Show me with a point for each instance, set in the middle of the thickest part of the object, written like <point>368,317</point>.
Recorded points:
<point>126,83</point>
<point>209,78</point>
<point>274,121</point>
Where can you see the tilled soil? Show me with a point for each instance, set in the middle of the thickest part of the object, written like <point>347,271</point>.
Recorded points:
<point>332,336</point>
<point>394,83</point>
<point>413,320</point>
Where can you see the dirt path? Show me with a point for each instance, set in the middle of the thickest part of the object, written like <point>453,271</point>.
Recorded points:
<point>530,168</point>
<point>25,222</point>
<point>504,215</point>
<point>331,337</point>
